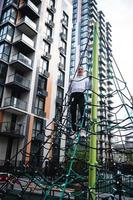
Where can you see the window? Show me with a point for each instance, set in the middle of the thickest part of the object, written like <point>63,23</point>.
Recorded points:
<point>63,45</point>
<point>48,31</point>
<point>49,16</point>
<point>52,2</point>
<point>6,33</point>
<point>42,83</point>
<point>3,70</point>
<point>1,93</point>
<point>72,63</point>
<point>65,18</point>
<point>64,31</point>
<point>58,111</point>
<point>38,126</point>
<point>60,92</point>
<point>39,106</point>
<point>43,65</point>
<point>61,78</point>
<point>4,51</point>
<point>40,103</point>
<point>46,47</point>
<point>9,15</point>
<point>63,61</point>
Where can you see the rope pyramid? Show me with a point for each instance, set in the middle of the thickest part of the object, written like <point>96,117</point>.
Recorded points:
<point>64,166</point>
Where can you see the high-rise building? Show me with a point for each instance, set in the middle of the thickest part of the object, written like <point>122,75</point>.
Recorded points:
<point>35,39</point>
<point>85,13</point>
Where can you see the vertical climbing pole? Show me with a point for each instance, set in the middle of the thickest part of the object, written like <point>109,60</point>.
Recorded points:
<point>93,141</point>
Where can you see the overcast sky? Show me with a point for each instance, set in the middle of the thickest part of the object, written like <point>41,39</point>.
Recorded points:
<point>120,14</point>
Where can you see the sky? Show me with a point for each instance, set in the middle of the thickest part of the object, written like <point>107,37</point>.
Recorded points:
<point>120,15</point>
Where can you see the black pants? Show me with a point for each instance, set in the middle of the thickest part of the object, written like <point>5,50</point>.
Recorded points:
<point>76,98</point>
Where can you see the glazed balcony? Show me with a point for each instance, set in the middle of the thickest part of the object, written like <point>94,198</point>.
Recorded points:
<point>21,62</point>
<point>24,43</point>
<point>29,9</point>
<point>15,130</point>
<point>27,26</point>
<point>14,103</point>
<point>18,82</point>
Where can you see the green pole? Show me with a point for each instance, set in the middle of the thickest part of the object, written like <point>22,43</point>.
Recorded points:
<point>93,141</point>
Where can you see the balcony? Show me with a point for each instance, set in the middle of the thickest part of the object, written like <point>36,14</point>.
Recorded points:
<point>63,36</point>
<point>48,38</point>
<point>39,112</point>
<point>50,23</point>
<point>18,82</point>
<point>47,55</point>
<point>37,135</point>
<point>64,22</point>
<point>52,9</point>
<point>24,43</point>
<point>62,50</point>
<point>29,9</point>
<point>43,72</point>
<point>15,130</point>
<point>21,62</point>
<point>61,66</point>
<point>27,26</point>
<point>13,103</point>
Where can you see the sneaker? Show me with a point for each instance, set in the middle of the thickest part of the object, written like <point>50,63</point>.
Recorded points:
<point>82,133</point>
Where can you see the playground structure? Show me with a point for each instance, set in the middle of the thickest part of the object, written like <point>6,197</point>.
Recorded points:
<point>95,166</point>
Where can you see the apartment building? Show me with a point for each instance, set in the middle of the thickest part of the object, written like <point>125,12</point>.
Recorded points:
<point>35,38</point>
<point>85,13</point>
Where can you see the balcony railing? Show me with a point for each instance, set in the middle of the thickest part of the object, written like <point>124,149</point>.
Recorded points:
<point>24,38</point>
<point>43,72</point>
<point>22,58</point>
<point>15,102</point>
<point>19,80</point>
<point>28,21</point>
<point>30,4</point>
<point>12,128</point>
